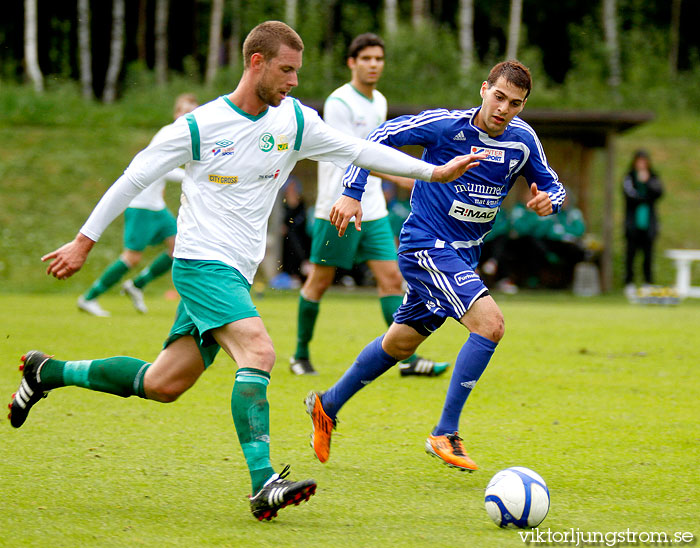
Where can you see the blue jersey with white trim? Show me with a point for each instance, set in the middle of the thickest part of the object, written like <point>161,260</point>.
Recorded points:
<point>461,213</point>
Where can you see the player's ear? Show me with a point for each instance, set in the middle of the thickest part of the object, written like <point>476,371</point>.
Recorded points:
<point>484,87</point>
<point>351,63</point>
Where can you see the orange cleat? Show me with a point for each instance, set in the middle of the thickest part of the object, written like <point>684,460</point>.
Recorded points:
<point>321,426</point>
<point>451,450</point>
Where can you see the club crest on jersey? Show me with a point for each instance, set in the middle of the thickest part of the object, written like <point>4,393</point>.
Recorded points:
<point>494,154</point>
<point>266,142</point>
<point>472,213</point>
<point>282,143</point>
<point>223,148</point>
<point>223,179</point>
<point>465,277</point>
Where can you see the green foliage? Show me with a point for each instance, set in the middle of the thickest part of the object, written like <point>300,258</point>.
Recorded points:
<point>597,410</point>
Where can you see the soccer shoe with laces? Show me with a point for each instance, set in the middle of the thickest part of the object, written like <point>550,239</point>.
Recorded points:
<point>301,366</point>
<point>451,450</point>
<point>136,296</point>
<point>91,306</point>
<point>30,390</point>
<point>423,366</point>
<point>321,426</point>
<point>278,493</point>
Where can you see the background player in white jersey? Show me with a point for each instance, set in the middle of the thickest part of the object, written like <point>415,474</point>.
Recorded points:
<point>237,150</point>
<point>355,108</point>
<point>147,221</point>
<point>440,245</point>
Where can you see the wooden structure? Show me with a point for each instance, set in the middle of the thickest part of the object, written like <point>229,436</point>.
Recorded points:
<point>570,140</point>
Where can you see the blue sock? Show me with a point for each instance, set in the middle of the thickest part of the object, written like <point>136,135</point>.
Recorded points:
<point>469,365</point>
<point>369,365</point>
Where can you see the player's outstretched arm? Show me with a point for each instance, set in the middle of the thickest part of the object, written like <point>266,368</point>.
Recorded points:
<point>540,202</point>
<point>344,209</point>
<point>69,258</point>
<point>456,167</point>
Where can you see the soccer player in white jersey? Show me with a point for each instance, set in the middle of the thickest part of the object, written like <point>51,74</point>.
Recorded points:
<point>147,221</point>
<point>440,243</point>
<point>237,150</point>
<point>355,108</point>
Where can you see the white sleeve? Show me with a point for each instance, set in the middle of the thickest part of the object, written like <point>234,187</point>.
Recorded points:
<point>337,114</point>
<point>385,159</point>
<point>322,142</point>
<point>171,150</point>
<point>176,175</point>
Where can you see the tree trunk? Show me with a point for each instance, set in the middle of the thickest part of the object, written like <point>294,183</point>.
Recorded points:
<point>234,49</point>
<point>116,52</point>
<point>84,49</point>
<point>217,12</point>
<point>31,56</point>
<point>516,13</point>
<point>161,41</point>
<point>612,44</point>
<point>141,28</point>
<point>290,12</point>
<point>466,34</point>
<point>391,17</point>
<point>675,38</point>
<point>417,13</point>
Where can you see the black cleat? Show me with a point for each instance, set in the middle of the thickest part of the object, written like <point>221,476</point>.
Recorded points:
<point>30,390</point>
<point>278,493</point>
<point>301,366</point>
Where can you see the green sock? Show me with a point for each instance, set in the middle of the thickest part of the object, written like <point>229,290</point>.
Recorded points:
<point>251,416</point>
<point>389,305</point>
<point>109,277</point>
<point>306,321</point>
<point>160,265</point>
<point>121,375</point>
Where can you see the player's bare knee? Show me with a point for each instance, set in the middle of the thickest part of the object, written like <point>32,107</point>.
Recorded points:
<point>164,392</point>
<point>495,328</point>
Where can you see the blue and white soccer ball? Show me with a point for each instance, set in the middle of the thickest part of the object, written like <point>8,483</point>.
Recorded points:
<point>517,497</point>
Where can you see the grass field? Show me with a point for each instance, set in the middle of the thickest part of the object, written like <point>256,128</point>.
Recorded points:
<point>598,396</point>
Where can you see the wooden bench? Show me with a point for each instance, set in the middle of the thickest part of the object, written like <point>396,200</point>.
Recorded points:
<point>683,259</point>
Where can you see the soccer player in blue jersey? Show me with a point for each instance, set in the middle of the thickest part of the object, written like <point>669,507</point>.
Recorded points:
<point>440,244</point>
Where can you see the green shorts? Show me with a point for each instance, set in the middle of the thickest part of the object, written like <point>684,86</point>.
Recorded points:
<point>375,242</point>
<point>212,294</point>
<point>143,227</point>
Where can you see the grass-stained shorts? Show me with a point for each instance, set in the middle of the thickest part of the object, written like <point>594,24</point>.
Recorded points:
<point>212,294</point>
<point>375,242</point>
<point>143,227</point>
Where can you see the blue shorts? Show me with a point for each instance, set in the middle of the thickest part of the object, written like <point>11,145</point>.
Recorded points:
<point>441,285</point>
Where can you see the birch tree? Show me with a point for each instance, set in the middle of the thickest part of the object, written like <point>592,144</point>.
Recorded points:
<point>116,52</point>
<point>466,34</point>
<point>290,12</point>
<point>84,51</point>
<point>612,44</point>
<point>391,17</point>
<point>516,14</point>
<point>161,41</point>
<point>31,56</point>
<point>217,15</point>
<point>417,12</point>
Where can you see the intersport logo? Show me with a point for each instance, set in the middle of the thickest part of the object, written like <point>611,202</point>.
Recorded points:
<point>494,154</point>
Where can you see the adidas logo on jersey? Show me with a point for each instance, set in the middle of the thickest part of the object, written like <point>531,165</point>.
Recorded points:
<point>459,137</point>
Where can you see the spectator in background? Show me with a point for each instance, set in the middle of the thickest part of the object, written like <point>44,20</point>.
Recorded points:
<point>642,188</point>
<point>296,242</point>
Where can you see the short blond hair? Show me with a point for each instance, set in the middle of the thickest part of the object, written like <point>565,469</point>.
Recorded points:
<point>267,38</point>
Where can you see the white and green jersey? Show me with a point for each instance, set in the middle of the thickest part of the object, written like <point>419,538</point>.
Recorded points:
<point>151,197</point>
<point>235,164</point>
<point>349,111</point>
